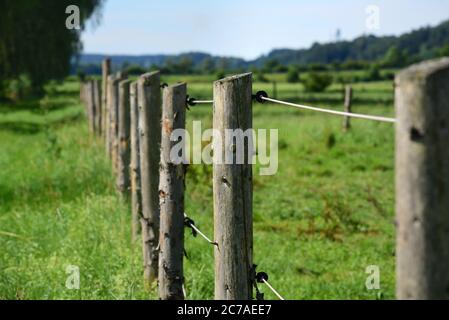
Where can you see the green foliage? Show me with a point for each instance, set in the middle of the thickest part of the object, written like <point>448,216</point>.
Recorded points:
<point>220,74</point>
<point>134,70</point>
<point>270,65</point>
<point>394,58</point>
<point>316,82</point>
<point>35,41</point>
<point>444,51</point>
<point>19,87</point>
<point>260,77</point>
<point>59,206</point>
<point>373,73</point>
<point>292,75</point>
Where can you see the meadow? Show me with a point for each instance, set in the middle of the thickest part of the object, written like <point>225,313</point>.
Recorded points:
<point>318,223</point>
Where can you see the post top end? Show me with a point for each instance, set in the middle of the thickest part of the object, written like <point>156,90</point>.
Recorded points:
<point>424,69</point>
<point>234,77</point>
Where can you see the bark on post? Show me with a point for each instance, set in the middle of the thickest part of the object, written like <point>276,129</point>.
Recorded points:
<point>97,104</point>
<point>348,108</point>
<point>123,142</point>
<point>113,112</point>
<point>422,181</point>
<point>108,119</point>
<point>232,186</point>
<point>136,195</point>
<point>90,97</point>
<point>106,71</point>
<point>150,140</point>
<point>171,195</point>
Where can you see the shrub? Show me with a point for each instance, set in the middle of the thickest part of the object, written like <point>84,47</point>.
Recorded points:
<point>315,82</point>
<point>220,74</point>
<point>292,75</point>
<point>373,73</point>
<point>260,77</point>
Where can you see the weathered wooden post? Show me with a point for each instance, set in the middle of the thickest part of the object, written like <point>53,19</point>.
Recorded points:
<point>113,112</point>
<point>422,181</point>
<point>150,139</point>
<point>348,107</point>
<point>83,93</point>
<point>106,71</point>
<point>171,194</point>
<point>90,99</point>
<point>123,142</point>
<point>97,104</point>
<point>109,107</point>
<point>232,186</point>
<point>136,195</point>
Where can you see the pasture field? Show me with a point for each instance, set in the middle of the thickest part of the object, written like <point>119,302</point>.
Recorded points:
<point>318,223</point>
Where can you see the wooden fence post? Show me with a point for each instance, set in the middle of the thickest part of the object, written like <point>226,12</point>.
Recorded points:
<point>232,186</point>
<point>422,181</point>
<point>97,103</point>
<point>106,71</point>
<point>348,107</point>
<point>150,140</point>
<point>123,142</point>
<point>107,126</point>
<point>113,112</point>
<point>171,195</point>
<point>136,195</point>
<point>90,98</point>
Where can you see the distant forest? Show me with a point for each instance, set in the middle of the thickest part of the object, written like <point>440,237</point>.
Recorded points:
<point>360,53</point>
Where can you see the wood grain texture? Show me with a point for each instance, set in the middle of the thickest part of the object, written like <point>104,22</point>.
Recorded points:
<point>150,140</point>
<point>171,196</point>
<point>422,181</point>
<point>232,187</point>
<point>113,112</point>
<point>136,193</point>
<point>106,71</point>
<point>124,145</point>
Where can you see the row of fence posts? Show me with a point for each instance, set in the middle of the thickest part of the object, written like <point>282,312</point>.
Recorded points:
<point>136,121</point>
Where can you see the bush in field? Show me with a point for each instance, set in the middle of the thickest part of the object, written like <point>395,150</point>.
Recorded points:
<point>373,73</point>
<point>316,82</point>
<point>220,74</point>
<point>134,70</point>
<point>292,75</point>
<point>260,77</point>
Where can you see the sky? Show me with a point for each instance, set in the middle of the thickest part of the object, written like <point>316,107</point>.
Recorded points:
<point>249,28</point>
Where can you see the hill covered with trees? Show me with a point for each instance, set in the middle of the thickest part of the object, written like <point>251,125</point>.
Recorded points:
<point>387,51</point>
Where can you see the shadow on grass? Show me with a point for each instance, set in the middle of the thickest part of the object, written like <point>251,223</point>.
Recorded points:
<point>32,106</point>
<point>29,127</point>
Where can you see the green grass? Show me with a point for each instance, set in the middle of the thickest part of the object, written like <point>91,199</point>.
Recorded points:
<point>318,223</point>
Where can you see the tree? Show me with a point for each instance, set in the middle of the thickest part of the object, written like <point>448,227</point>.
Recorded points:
<point>444,51</point>
<point>292,75</point>
<point>394,58</point>
<point>207,66</point>
<point>34,38</point>
<point>316,82</point>
<point>374,73</point>
<point>270,65</point>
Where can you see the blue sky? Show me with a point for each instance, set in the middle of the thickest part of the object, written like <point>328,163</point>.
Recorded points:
<point>247,28</point>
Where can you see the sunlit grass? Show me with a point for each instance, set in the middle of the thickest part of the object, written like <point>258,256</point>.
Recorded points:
<point>318,223</point>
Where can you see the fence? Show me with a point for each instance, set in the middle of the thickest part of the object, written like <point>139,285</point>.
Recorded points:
<point>137,138</point>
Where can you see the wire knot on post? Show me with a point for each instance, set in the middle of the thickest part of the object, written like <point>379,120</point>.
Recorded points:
<point>190,101</point>
<point>259,96</point>
<point>190,223</point>
<point>261,277</point>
